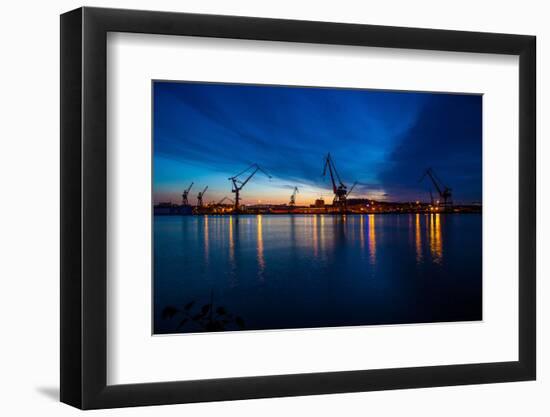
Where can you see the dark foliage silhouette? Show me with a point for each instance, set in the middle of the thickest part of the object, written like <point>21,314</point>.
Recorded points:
<point>206,318</point>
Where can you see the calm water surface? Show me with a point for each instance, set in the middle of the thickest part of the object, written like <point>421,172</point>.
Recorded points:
<point>279,271</point>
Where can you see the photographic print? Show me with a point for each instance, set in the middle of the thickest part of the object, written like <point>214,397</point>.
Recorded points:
<point>290,207</point>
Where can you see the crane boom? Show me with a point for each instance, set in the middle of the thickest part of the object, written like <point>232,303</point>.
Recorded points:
<point>223,199</point>
<point>250,176</point>
<point>351,189</point>
<point>434,181</point>
<point>329,164</point>
<point>336,173</point>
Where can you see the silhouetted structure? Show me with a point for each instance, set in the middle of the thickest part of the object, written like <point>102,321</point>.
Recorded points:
<point>445,193</point>
<point>200,196</point>
<point>184,196</point>
<point>293,197</point>
<point>237,184</point>
<point>338,187</point>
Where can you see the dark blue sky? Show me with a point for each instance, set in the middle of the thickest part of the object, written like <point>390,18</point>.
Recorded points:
<point>384,140</point>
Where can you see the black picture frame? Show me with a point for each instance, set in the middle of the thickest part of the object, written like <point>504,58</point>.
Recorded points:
<point>84,207</point>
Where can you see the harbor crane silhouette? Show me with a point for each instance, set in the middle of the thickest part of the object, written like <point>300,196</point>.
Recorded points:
<point>238,184</point>
<point>339,189</point>
<point>184,196</point>
<point>293,197</point>
<point>445,193</point>
<point>200,195</point>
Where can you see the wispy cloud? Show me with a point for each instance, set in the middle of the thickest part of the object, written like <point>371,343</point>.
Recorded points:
<point>212,131</point>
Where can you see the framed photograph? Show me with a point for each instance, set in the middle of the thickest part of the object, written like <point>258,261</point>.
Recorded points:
<point>257,208</point>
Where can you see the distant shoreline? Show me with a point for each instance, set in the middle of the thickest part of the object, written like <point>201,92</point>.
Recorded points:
<point>314,214</point>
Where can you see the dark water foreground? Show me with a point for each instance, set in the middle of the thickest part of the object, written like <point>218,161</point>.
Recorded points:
<point>215,273</point>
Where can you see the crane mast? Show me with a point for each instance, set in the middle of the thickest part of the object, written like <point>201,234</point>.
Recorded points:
<point>237,184</point>
<point>293,197</point>
<point>184,196</point>
<point>200,195</point>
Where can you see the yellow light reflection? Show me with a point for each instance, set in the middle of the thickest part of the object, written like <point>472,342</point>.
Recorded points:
<point>436,247</point>
<point>418,239</point>
<point>438,239</point>
<point>260,238</point>
<point>372,239</point>
<point>231,241</point>
<point>315,238</point>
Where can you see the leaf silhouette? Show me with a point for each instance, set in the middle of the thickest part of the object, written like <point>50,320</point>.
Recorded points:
<point>204,317</point>
<point>169,312</point>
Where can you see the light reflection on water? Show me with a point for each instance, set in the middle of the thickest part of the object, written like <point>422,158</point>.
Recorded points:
<point>231,242</point>
<point>372,239</point>
<point>206,238</point>
<point>362,232</point>
<point>315,231</point>
<point>436,248</point>
<point>309,270</point>
<point>260,248</point>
